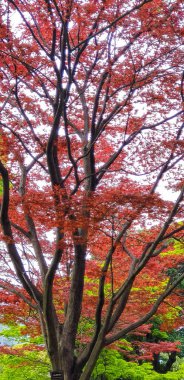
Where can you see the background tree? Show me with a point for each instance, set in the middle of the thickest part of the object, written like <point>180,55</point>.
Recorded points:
<point>91,101</point>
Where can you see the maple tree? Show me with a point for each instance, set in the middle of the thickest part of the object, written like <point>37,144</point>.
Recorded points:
<point>91,126</point>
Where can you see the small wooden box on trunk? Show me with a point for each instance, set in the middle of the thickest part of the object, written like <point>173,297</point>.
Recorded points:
<point>56,375</point>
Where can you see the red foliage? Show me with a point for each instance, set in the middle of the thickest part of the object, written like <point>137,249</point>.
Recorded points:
<point>91,101</point>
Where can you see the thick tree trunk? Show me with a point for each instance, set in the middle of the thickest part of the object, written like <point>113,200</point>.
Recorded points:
<point>68,372</point>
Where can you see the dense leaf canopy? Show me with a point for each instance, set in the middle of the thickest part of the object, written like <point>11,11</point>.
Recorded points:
<point>91,102</point>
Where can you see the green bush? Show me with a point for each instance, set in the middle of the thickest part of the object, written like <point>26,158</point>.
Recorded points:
<point>111,366</point>
<point>31,366</point>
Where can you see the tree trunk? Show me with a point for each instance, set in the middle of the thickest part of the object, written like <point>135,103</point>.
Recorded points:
<point>63,375</point>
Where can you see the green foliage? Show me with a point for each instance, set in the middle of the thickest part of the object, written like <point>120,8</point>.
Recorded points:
<point>161,335</point>
<point>37,340</point>
<point>125,345</point>
<point>173,273</point>
<point>177,249</point>
<point>23,364</point>
<point>30,366</point>
<point>15,332</point>
<point>178,335</point>
<point>111,366</point>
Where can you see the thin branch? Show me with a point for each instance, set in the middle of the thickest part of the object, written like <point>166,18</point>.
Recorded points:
<point>111,24</point>
<point>9,241</point>
<point>19,294</point>
<point>147,316</point>
<point>24,146</point>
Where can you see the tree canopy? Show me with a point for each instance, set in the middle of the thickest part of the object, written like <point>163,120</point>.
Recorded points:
<point>91,135</point>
